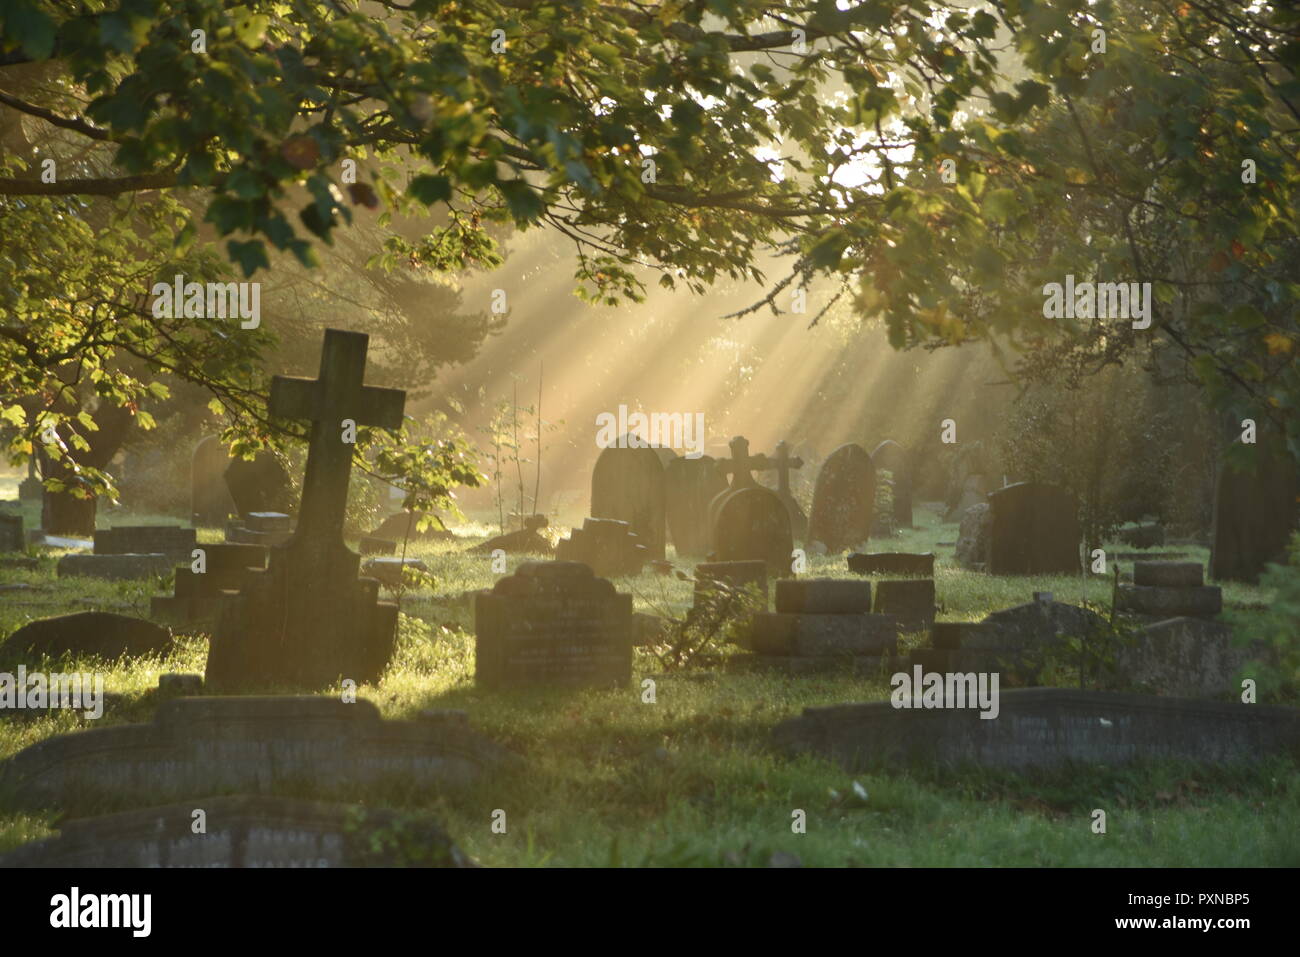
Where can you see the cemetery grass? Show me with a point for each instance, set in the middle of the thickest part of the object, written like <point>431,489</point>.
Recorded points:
<point>690,779</point>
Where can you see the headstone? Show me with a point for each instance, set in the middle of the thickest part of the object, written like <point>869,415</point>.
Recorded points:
<point>893,563</point>
<point>1033,530</point>
<point>100,634</point>
<point>210,501</point>
<point>1149,535</point>
<point>12,538</point>
<point>783,462</point>
<point>608,547</point>
<point>739,468</point>
<point>259,484</point>
<point>173,684</point>
<point>1185,657</point>
<point>553,624</point>
<point>197,596</point>
<point>260,528</point>
<point>1169,601</point>
<point>255,745</point>
<point>823,617</point>
<point>171,540</point>
<point>843,499</point>
<point>527,541</point>
<point>309,619</point>
<point>31,489</point>
<point>114,567</point>
<point>628,485</point>
<point>1254,515</point>
<point>910,600</point>
<point>891,457</point>
<point>974,491</point>
<point>245,831</point>
<point>689,486</point>
<point>973,537</point>
<point>1042,728</point>
<point>753,524</point>
<point>720,584</point>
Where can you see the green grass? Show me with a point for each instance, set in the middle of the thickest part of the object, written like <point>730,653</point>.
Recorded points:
<point>690,779</point>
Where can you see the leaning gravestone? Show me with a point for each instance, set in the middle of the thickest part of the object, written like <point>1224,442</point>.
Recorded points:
<point>210,501</point>
<point>405,526</point>
<point>627,484</point>
<point>753,524</point>
<point>891,457</point>
<point>309,619</point>
<point>1042,727</point>
<point>1033,530</point>
<point>246,831</point>
<point>259,484</point>
<point>1254,515</point>
<point>253,745</point>
<point>843,499</point>
<point>553,624</point>
<point>690,485</point>
<point>1187,658</point>
<point>99,634</point>
<point>527,541</point>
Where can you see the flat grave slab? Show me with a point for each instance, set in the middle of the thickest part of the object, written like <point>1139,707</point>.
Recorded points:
<point>1043,727</point>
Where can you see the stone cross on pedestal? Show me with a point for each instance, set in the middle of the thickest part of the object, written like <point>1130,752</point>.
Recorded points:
<point>308,619</point>
<point>741,464</point>
<point>337,395</point>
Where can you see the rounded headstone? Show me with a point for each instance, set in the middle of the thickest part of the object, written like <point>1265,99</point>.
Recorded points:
<point>99,633</point>
<point>753,524</point>
<point>891,457</point>
<point>843,499</point>
<point>628,485</point>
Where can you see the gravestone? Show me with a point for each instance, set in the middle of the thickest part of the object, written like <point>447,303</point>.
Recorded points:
<point>782,463</point>
<point>31,489</point>
<point>752,524</point>
<point>254,745</point>
<point>100,634</point>
<point>1033,530</point>
<point>1149,535</point>
<point>260,484</point>
<point>1043,728</point>
<point>114,567</point>
<point>843,499</point>
<point>891,457</point>
<point>171,540</point>
<point>892,563</point>
<point>1168,590</point>
<point>973,537</point>
<point>1187,658</point>
<point>822,623</point>
<point>245,831</point>
<point>739,469</point>
<point>527,541</point>
<point>390,570</point>
<point>910,600</point>
<point>210,501</point>
<point>197,596</point>
<point>260,528</point>
<point>12,538</point>
<point>628,485</point>
<point>974,491</point>
<point>309,619</point>
<point>1254,515</point>
<point>689,486</point>
<point>553,624</point>
<point>608,547</point>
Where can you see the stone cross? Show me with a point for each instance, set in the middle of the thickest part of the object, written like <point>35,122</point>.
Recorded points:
<point>783,464</point>
<point>337,394</point>
<point>742,463</point>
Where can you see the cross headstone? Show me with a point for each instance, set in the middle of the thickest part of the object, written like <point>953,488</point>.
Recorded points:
<point>308,619</point>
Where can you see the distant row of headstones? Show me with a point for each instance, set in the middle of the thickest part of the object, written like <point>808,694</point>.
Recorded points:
<point>707,506</point>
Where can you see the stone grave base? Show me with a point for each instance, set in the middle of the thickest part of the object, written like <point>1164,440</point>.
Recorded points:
<point>1168,601</point>
<point>113,567</point>
<point>1043,727</point>
<point>776,633</point>
<point>246,831</point>
<point>197,746</point>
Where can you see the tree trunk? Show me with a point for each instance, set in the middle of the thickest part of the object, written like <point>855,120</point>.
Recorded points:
<point>64,513</point>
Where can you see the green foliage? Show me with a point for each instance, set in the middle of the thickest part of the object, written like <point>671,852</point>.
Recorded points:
<point>1275,626</point>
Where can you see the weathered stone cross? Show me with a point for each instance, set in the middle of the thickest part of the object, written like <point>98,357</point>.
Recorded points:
<point>742,463</point>
<point>336,395</point>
